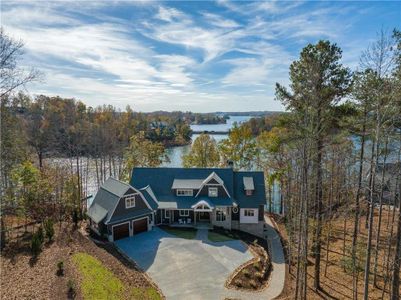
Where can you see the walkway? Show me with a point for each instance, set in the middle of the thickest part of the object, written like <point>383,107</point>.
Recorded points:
<point>277,279</point>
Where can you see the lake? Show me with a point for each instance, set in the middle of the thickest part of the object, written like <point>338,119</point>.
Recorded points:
<point>88,168</point>
<point>175,153</point>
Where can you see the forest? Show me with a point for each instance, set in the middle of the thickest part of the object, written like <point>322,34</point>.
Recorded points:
<point>335,155</point>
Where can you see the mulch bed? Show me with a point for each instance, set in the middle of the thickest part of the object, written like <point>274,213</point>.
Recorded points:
<point>254,274</point>
<point>25,278</point>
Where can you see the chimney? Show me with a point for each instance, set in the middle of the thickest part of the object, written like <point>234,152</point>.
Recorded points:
<point>230,164</point>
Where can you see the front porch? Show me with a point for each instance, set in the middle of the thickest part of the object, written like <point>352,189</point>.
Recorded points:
<point>198,225</point>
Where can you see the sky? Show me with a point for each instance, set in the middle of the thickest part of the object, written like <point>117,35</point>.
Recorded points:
<point>199,56</point>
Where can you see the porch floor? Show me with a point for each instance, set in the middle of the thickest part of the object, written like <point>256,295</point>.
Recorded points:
<point>198,225</point>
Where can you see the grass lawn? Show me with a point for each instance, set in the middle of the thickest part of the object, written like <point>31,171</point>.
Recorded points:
<point>185,233</point>
<point>220,237</point>
<point>99,283</point>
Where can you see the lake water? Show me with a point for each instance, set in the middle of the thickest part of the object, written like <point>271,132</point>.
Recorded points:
<point>175,153</point>
<point>88,167</point>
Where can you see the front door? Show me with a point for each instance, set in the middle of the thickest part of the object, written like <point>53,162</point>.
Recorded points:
<point>204,216</point>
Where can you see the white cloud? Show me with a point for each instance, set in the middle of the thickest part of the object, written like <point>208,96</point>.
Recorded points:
<point>219,21</point>
<point>169,14</point>
<point>161,57</point>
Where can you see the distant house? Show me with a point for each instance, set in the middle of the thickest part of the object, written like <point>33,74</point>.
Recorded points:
<point>179,197</point>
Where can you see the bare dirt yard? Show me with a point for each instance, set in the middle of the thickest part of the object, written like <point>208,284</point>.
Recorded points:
<point>23,277</point>
<point>335,280</point>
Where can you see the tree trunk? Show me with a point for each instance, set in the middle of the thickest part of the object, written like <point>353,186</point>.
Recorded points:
<point>319,202</point>
<point>371,205</point>
<point>380,216</point>
<point>395,285</point>
<point>357,208</point>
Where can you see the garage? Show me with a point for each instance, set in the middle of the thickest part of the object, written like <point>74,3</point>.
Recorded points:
<point>121,231</point>
<point>140,225</point>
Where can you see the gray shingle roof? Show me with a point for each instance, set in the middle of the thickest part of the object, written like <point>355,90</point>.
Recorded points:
<point>97,213</point>
<point>187,183</point>
<point>115,186</point>
<point>105,200</point>
<point>150,197</point>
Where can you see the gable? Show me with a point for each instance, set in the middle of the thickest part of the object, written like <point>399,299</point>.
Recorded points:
<point>212,181</point>
<point>121,210</point>
<point>258,196</point>
<point>162,179</point>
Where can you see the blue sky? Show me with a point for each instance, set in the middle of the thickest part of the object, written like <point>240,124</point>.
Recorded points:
<point>184,55</point>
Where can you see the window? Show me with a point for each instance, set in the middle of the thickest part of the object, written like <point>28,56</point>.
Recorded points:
<point>249,213</point>
<point>213,192</point>
<point>130,201</point>
<point>184,213</point>
<point>182,192</point>
<point>167,214</point>
<point>221,214</point>
<point>248,192</point>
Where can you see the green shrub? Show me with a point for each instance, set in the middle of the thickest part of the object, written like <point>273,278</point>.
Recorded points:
<point>257,265</point>
<point>40,235</point>
<point>246,273</point>
<point>36,243</point>
<point>60,268</point>
<point>49,229</point>
<point>71,289</point>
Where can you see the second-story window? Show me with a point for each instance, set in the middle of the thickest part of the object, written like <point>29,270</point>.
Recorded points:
<point>185,192</point>
<point>129,201</point>
<point>213,192</point>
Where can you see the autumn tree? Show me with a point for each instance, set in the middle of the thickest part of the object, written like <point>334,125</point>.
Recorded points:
<point>318,82</point>
<point>142,152</point>
<point>204,153</point>
<point>239,148</point>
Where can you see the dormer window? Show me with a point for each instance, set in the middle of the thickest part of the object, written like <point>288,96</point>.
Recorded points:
<point>249,187</point>
<point>130,201</point>
<point>185,192</point>
<point>213,192</point>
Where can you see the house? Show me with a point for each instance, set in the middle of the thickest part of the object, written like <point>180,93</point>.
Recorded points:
<point>180,197</point>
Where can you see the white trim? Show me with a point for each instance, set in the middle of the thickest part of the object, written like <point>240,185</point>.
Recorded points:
<point>213,175</point>
<point>112,229</point>
<point>144,200</point>
<point>131,218</point>
<point>169,213</point>
<point>249,219</point>
<point>150,193</point>
<point>185,190</point>
<point>183,210</point>
<point>224,212</point>
<point>129,198</point>
<point>137,192</point>
<point>214,189</point>
<point>202,202</point>
<point>147,223</point>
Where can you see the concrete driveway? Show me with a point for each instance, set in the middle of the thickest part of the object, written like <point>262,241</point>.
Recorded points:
<point>186,269</point>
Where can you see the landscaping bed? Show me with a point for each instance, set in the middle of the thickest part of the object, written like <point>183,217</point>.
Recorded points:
<point>254,274</point>
<point>39,278</point>
<point>182,232</point>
